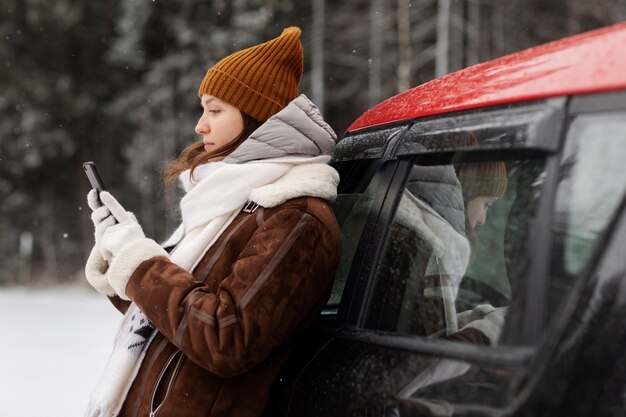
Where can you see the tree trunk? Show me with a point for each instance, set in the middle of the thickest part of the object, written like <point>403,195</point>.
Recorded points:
<point>443,38</point>
<point>473,32</point>
<point>317,52</point>
<point>457,36</point>
<point>375,51</point>
<point>573,18</point>
<point>404,45</point>
<point>498,31</point>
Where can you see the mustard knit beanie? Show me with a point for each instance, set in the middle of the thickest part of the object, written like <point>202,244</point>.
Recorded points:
<point>488,179</point>
<point>484,178</point>
<point>259,80</point>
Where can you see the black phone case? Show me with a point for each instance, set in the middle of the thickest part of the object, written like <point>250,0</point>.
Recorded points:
<point>93,176</point>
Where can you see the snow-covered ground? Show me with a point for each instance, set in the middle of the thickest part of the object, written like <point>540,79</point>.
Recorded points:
<point>54,344</point>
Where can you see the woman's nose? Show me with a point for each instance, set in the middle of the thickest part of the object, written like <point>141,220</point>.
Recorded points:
<point>202,127</point>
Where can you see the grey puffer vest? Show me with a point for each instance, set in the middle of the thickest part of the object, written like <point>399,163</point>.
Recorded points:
<point>440,188</point>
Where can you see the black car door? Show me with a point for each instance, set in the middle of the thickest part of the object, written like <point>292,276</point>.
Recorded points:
<point>368,355</point>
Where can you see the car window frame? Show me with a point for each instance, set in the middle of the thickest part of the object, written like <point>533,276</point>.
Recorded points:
<point>344,314</point>
<point>349,325</point>
<point>589,276</point>
<point>532,358</point>
<point>587,104</point>
<point>534,327</point>
<point>357,293</point>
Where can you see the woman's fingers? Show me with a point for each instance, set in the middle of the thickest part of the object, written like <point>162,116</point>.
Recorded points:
<point>107,222</point>
<point>92,200</point>
<point>100,214</point>
<point>116,208</point>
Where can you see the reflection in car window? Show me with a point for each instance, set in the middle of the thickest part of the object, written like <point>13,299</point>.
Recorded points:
<point>589,191</point>
<point>351,210</point>
<point>453,249</point>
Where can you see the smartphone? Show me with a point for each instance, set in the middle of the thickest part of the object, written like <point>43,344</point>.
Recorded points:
<point>93,176</point>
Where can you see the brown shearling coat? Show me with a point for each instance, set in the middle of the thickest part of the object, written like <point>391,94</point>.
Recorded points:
<point>224,330</point>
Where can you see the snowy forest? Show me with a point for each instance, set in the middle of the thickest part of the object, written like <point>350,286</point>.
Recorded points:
<point>115,81</point>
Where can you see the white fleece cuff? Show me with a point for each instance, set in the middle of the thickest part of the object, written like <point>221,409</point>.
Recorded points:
<point>128,259</point>
<point>95,272</point>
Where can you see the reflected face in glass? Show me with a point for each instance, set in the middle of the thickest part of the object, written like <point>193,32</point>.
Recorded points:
<point>476,210</point>
<point>219,124</point>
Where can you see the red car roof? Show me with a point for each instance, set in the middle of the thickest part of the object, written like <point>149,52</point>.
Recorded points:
<point>590,62</point>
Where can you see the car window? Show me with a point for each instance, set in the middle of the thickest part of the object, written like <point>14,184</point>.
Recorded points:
<point>453,249</point>
<point>352,208</point>
<point>591,186</point>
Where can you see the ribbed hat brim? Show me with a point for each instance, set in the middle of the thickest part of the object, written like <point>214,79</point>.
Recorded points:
<point>485,178</point>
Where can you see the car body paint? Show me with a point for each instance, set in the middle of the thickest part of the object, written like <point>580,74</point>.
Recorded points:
<point>592,62</point>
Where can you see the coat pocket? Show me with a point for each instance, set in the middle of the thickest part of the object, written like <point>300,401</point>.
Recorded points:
<point>175,360</point>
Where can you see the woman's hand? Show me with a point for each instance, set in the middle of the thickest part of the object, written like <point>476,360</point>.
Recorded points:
<point>101,218</point>
<point>117,235</point>
<point>96,266</point>
<point>115,229</point>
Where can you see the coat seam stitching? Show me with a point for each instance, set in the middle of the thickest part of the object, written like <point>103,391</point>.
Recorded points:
<point>273,263</point>
<point>227,321</point>
<point>211,320</point>
<point>184,323</point>
<point>202,316</point>
<point>218,254</point>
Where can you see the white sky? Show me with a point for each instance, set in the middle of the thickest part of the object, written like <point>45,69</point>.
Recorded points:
<point>54,344</point>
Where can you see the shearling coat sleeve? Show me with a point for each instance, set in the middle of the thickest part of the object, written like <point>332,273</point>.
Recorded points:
<point>277,282</point>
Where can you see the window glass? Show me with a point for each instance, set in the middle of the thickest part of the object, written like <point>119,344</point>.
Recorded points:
<point>352,208</point>
<point>591,184</point>
<point>453,250</point>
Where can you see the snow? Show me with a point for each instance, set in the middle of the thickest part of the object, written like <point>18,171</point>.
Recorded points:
<point>54,344</point>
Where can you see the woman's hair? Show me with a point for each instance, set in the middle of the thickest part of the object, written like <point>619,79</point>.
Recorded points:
<point>195,155</point>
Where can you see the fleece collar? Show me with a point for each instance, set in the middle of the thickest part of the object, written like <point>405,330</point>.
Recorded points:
<point>310,180</point>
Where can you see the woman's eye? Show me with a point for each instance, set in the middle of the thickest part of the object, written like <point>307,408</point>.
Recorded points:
<point>214,111</point>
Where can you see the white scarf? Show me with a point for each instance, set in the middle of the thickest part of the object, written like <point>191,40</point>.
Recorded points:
<point>215,195</point>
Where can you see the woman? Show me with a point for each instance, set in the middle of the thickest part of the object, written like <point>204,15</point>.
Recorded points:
<point>442,207</point>
<point>483,184</point>
<point>208,325</point>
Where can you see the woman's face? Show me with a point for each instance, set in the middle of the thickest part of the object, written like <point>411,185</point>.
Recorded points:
<point>219,124</point>
<point>476,210</point>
